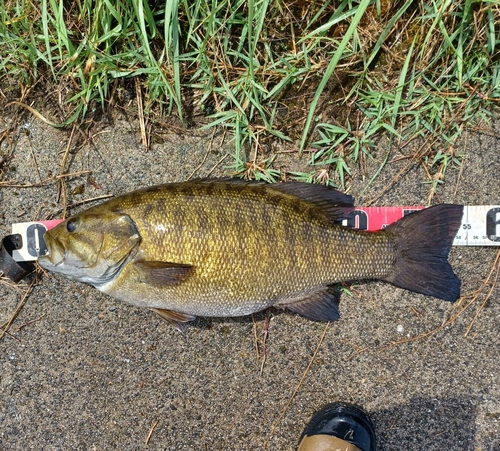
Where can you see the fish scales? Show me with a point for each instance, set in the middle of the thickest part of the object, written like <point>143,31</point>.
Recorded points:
<point>224,248</point>
<point>227,231</point>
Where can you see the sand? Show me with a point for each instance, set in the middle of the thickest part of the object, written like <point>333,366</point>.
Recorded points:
<point>82,371</point>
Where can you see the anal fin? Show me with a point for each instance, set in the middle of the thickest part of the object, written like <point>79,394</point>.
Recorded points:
<point>176,319</point>
<point>323,305</point>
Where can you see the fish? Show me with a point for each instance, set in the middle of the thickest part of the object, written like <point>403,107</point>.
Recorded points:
<point>226,247</point>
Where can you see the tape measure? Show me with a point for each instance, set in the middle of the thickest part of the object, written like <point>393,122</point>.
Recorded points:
<point>480,223</point>
<point>480,227</point>
<point>30,237</point>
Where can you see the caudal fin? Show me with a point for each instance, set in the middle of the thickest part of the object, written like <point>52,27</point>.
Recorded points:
<point>424,241</point>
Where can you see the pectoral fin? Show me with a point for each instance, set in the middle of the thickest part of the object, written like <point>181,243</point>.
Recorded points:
<point>163,273</point>
<point>178,320</point>
<point>320,306</point>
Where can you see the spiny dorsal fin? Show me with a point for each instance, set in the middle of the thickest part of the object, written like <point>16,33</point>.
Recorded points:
<point>332,203</point>
<point>163,273</point>
<point>317,194</point>
<point>176,319</point>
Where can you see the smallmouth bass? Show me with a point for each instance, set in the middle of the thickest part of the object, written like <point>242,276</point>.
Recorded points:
<point>222,247</point>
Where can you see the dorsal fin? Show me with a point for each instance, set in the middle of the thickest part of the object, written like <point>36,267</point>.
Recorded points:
<point>332,203</point>
<point>310,192</point>
<point>317,194</point>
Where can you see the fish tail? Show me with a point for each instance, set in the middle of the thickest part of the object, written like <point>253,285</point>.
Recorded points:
<point>424,241</point>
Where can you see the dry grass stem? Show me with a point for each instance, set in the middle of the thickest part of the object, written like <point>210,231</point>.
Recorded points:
<point>54,178</point>
<point>209,149</point>
<point>5,327</point>
<point>462,166</point>
<point>495,268</point>
<point>61,185</point>
<point>151,431</point>
<point>34,160</point>
<point>297,388</point>
<point>265,334</point>
<point>217,164</point>
<point>86,201</point>
<point>255,338</point>
<point>30,322</point>
<point>140,113</point>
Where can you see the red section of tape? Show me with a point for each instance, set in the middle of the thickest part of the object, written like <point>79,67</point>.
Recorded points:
<point>51,224</point>
<point>376,218</point>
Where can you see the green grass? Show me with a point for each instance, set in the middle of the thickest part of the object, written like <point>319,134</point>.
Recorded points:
<point>330,77</point>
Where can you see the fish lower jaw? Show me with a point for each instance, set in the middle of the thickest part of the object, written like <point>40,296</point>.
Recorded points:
<point>47,262</point>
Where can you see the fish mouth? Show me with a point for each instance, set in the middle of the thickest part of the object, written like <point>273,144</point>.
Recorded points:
<point>56,252</point>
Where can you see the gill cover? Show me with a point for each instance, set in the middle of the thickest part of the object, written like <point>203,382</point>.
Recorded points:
<point>91,248</point>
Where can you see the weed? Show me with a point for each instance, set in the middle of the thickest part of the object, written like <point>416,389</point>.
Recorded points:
<point>333,75</point>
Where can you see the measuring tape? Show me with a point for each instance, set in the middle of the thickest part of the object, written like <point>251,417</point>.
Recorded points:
<point>480,227</point>
<point>480,223</point>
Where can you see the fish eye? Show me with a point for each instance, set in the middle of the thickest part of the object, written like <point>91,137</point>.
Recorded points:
<point>71,226</point>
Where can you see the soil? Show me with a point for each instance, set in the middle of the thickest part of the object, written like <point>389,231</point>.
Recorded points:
<point>82,371</point>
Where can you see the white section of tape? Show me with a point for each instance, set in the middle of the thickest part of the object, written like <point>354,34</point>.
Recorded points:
<point>480,226</point>
<point>32,239</point>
